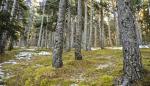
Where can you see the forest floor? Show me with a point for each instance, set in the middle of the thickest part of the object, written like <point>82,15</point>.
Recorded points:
<point>98,68</point>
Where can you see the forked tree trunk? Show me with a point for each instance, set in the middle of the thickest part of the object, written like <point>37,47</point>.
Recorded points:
<point>78,55</point>
<point>58,46</point>
<point>132,65</point>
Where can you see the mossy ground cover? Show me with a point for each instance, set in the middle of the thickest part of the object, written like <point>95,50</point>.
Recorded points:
<point>98,68</point>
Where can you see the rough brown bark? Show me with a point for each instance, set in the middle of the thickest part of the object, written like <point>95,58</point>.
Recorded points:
<point>58,45</point>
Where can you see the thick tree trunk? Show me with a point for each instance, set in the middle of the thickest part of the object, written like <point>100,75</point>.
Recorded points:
<point>58,46</point>
<point>91,26</point>
<point>78,55</point>
<point>85,25</point>
<point>132,62</point>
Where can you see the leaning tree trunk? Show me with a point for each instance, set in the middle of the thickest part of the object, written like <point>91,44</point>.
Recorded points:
<point>58,46</point>
<point>78,55</point>
<point>132,67</point>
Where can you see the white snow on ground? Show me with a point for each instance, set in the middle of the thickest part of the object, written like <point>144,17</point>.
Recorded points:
<point>144,46</point>
<point>114,48</point>
<point>28,55</point>
<point>97,48</point>
<point>24,55</point>
<point>44,53</point>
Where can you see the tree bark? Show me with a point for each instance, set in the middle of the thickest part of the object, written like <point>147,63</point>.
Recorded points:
<point>109,32</point>
<point>78,55</point>
<point>68,34</point>
<point>3,39</point>
<point>117,36</point>
<point>85,25</point>
<point>58,46</point>
<point>102,28</point>
<point>132,65</point>
<point>41,27</point>
<point>91,26</point>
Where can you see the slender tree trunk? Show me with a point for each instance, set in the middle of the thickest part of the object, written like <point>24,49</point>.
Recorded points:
<point>10,46</point>
<point>91,26</point>
<point>116,22</point>
<point>132,65</point>
<point>3,40</point>
<point>42,38</point>
<point>85,25</point>
<point>102,28</point>
<point>68,34</point>
<point>95,32</point>
<point>13,9</point>
<point>138,28</point>
<point>3,33</point>
<point>58,46</point>
<point>109,32</point>
<point>72,32</point>
<point>78,55</point>
<point>41,27</point>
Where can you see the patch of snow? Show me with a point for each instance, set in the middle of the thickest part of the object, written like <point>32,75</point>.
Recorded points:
<point>10,62</point>
<point>95,48</point>
<point>33,49</point>
<point>44,53</point>
<point>144,46</point>
<point>74,84</point>
<point>24,55</point>
<point>114,48</point>
<point>28,55</point>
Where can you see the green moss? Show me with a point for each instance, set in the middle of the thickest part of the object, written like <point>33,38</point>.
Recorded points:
<point>39,72</point>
